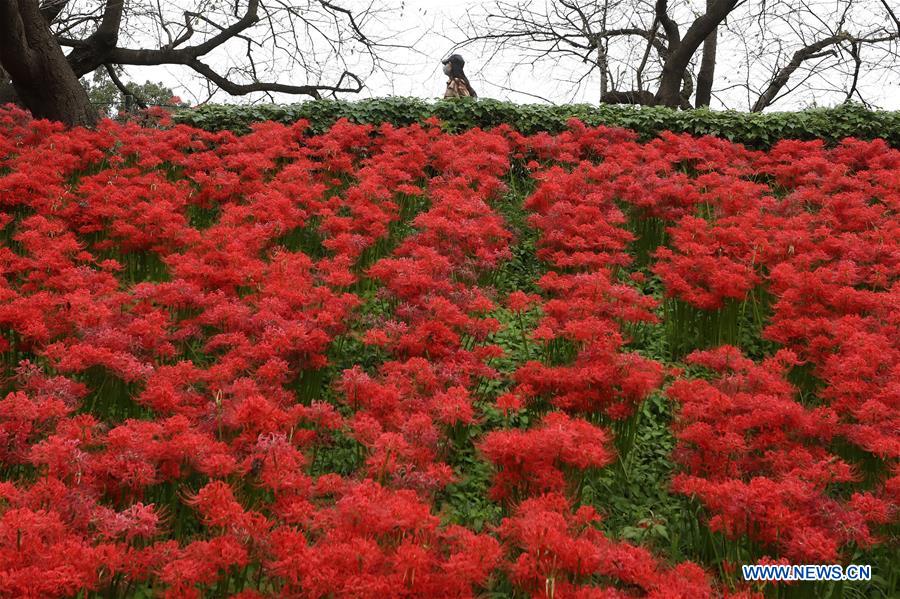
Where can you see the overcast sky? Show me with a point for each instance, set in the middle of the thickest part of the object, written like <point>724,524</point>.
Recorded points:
<point>431,27</point>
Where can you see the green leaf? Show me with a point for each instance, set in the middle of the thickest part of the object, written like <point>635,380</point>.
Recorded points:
<point>751,129</point>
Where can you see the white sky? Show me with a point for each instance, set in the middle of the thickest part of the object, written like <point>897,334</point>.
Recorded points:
<point>430,25</point>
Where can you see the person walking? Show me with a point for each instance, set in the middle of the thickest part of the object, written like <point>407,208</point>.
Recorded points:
<point>458,85</point>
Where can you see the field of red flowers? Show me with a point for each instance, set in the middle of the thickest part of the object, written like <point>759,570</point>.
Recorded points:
<point>396,362</point>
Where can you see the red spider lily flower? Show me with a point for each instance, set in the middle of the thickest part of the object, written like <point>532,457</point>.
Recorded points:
<point>535,460</point>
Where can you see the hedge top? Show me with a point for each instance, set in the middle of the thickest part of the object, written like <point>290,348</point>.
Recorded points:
<point>756,130</point>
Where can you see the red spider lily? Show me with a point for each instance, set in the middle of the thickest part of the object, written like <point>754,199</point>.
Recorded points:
<point>374,540</point>
<point>536,460</point>
<point>708,264</point>
<point>560,551</point>
<point>264,363</point>
<point>758,460</point>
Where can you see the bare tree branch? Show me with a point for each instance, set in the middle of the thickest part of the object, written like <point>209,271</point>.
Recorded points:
<point>51,9</point>
<point>892,15</point>
<point>673,36</point>
<point>311,36</point>
<point>114,77</point>
<point>811,51</point>
<point>857,65</point>
<point>238,89</point>
<point>639,74</point>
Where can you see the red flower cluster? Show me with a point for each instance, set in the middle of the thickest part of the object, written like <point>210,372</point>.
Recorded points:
<point>535,460</point>
<point>258,365</point>
<point>759,460</point>
<point>581,229</point>
<point>560,551</point>
<point>823,243</point>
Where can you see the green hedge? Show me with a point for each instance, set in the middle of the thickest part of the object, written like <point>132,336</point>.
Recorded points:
<point>755,130</point>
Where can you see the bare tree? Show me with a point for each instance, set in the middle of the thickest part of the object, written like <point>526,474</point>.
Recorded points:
<point>237,46</point>
<point>651,46</point>
<point>825,47</point>
<point>646,51</point>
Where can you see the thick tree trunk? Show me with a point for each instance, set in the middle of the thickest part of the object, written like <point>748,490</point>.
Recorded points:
<point>669,93</point>
<point>92,55</point>
<point>680,54</point>
<point>707,67</point>
<point>639,97</point>
<point>40,74</point>
<point>8,93</point>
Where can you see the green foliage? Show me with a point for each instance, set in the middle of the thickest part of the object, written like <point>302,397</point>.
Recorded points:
<point>634,494</point>
<point>753,129</point>
<point>106,96</point>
